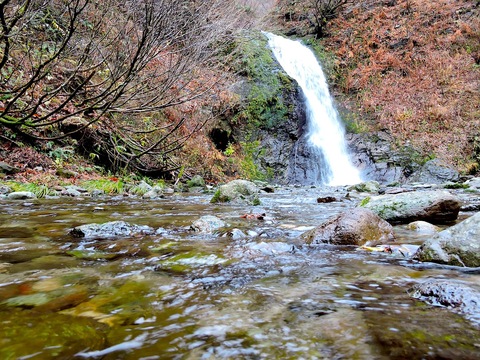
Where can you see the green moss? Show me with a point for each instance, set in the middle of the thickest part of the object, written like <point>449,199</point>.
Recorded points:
<point>40,191</point>
<point>265,104</point>
<point>456,186</point>
<point>219,198</point>
<point>106,185</point>
<point>365,201</point>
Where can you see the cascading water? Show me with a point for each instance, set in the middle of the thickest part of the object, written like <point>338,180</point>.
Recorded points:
<point>325,133</point>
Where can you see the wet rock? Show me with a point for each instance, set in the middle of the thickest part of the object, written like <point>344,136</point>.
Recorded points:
<point>326,199</point>
<point>21,195</point>
<point>71,191</point>
<point>237,191</point>
<point>458,245</point>
<point>4,189</point>
<point>421,333</point>
<point>48,336</point>
<point>371,186</point>
<point>423,227</point>
<point>110,229</point>
<point>156,192</point>
<point>207,224</point>
<point>356,227</point>
<point>473,183</point>
<point>435,171</point>
<point>235,234</point>
<point>450,293</point>
<point>433,206</point>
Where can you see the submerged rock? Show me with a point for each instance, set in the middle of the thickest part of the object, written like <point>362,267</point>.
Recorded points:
<point>458,245</point>
<point>423,227</point>
<point>450,293</point>
<point>356,227</point>
<point>48,336</point>
<point>110,229</point>
<point>237,191</point>
<point>207,224</point>
<point>433,206</point>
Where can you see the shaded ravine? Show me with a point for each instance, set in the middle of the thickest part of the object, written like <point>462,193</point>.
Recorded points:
<point>179,294</point>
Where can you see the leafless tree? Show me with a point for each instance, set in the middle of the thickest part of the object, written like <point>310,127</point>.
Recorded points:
<point>67,66</point>
<point>323,11</point>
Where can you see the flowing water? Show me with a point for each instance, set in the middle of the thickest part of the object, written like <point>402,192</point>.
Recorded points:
<point>178,294</point>
<point>326,135</point>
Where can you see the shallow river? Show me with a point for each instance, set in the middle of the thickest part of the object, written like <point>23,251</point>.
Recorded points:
<point>184,295</point>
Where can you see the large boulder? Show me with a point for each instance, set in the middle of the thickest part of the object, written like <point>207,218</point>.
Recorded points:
<point>355,227</point>
<point>457,245</point>
<point>237,191</point>
<point>21,195</point>
<point>437,207</point>
<point>435,171</point>
<point>110,229</point>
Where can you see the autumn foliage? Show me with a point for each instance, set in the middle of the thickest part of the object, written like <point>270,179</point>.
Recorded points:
<point>411,67</point>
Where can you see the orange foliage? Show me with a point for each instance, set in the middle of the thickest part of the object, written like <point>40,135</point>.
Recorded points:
<point>414,70</point>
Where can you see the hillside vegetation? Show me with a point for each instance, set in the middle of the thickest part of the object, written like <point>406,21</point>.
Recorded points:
<point>126,87</point>
<point>411,67</point>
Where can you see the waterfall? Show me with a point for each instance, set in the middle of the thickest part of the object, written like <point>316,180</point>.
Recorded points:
<point>325,132</point>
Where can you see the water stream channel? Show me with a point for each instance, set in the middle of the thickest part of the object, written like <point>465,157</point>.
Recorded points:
<point>178,294</point>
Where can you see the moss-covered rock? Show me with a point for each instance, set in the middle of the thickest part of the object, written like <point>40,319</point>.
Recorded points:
<point>457,245</point>
<point>237,191</point>
<point>434,206</point>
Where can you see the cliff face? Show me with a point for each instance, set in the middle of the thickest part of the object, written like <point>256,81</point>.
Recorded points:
<point>411,67</point>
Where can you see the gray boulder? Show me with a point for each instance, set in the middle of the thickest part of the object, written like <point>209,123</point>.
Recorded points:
<point>458,245</point>
<point>110,230</point>
<point>207,224</point>
<point>21,195</point>
<point>435,171</point>
<point>433,206</point>
<point>237,191</point>
<point>155,192</point>
<point>355,227</point>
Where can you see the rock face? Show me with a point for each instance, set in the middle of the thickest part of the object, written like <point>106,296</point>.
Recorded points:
<point>110,229</point>
<point>435,171</point>
<point>458,245</point>
<point>237,191</point>
<point>451,293</point>
<point>375,155</point>
<point>433,206</point>
<point>356,227</point>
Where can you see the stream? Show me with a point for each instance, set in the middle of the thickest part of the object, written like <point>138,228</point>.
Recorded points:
<point>179,294</point>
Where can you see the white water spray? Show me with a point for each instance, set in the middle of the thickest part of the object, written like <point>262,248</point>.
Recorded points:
<point>326,134</point>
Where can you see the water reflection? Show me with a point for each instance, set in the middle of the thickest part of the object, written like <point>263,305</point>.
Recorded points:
<point>183,295</point>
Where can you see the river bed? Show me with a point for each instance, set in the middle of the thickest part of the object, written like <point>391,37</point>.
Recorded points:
<point>178,294</point>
